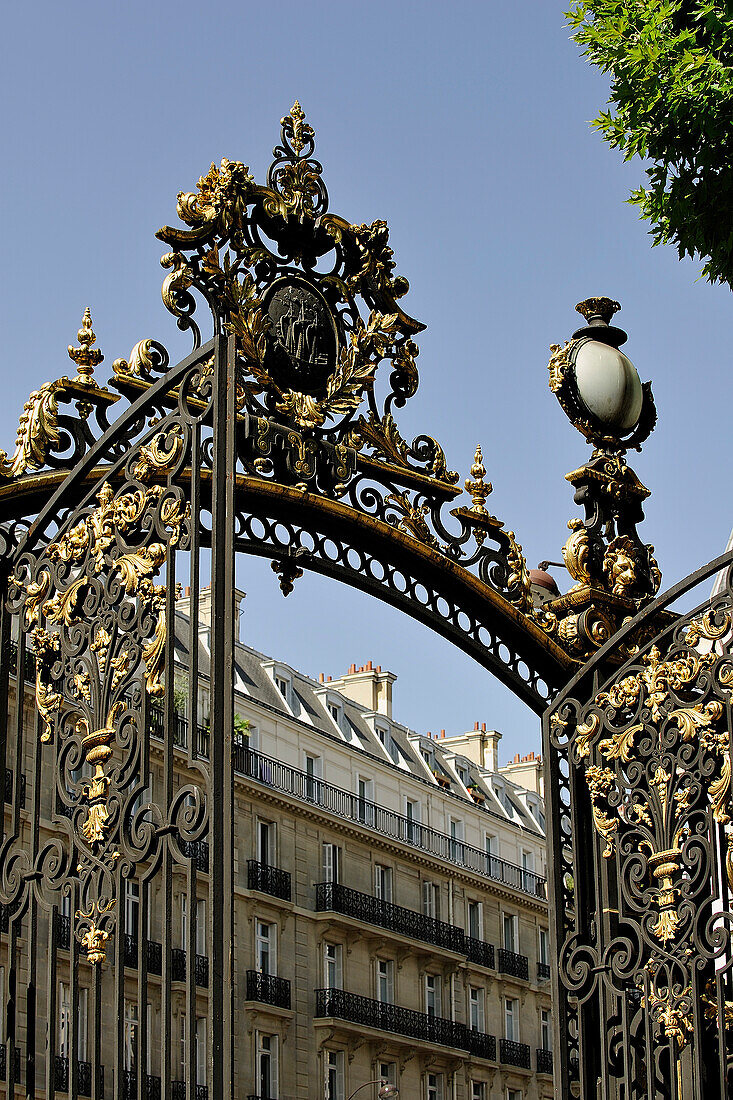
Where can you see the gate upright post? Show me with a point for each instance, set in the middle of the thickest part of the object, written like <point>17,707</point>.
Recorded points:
<point>220,1070</point>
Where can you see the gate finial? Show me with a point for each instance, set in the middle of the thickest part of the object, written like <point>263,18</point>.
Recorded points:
<point>85,356</point>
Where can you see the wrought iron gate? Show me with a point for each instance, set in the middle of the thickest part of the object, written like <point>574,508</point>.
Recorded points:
<point>255,443</point>
<point>639,769</point>
<point>275,437</point>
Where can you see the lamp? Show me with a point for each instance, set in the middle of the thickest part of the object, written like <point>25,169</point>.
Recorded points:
<point>386,1090</point>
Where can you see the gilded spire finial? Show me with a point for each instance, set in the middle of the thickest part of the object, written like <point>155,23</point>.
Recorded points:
<point>85,356</point>
<point>478,488</point>
<point>598,307</point>
<point>300,129</point>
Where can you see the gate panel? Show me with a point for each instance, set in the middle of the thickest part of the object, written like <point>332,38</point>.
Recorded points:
<point>639,767</point>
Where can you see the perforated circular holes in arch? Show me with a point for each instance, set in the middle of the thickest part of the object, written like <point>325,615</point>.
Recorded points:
<point>282,535</point>
<point>331,550</point>
<point>399,581</point>
<point>355,559</point>
<point>421,594</point>
<point>377,569</point>
<point>465,623</point>
<point>443,608</point>
<point>257,529</point>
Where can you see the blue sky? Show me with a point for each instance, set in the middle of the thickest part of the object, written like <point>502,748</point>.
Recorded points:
<point>465,125</point>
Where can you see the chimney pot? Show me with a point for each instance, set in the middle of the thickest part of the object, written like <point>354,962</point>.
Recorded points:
<point>442,733</point>
<point>483,727</point>
<point>321,677</point>
<point>379,668</point>
<point>369,667</point>
<point>516,757</point>
<point>352,669</point>
<point>475,726</point>
<point>329,679</point>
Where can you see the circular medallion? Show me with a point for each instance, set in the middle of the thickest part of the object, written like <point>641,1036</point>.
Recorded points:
<point>305,342</point>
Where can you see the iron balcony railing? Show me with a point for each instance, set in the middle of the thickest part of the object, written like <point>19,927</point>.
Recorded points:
<point>478,951</point>
<point>180,730</point>
<point>344,804</point>
<point>543,972</point>
<point>178,967</point>
<point>544,1060</point>
<point>198,851</point>
<point>509,962</point>
<point>268,880</point>
<point>268,989</point>
<point>153,951</point>
<point>29,662</point>
<point>514,1054</point>
<point>9,788</point>
<point>3,1063</point>
<point>403,1021</point>
<point>178,1091</point>
<point>63,931</point>
<point>83,1076</point>
<point>341,899</point>
<point>129,1085</point>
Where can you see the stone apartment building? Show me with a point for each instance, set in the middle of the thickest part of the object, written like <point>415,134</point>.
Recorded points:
<point>390,910</point>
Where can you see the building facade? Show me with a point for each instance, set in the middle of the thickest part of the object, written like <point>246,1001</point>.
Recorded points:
<point>390,905</point>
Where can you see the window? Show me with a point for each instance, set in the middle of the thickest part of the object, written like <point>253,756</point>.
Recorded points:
<point>331,862</point>
<point>332,966</point>
<point>132,908</point>
<point>283,686</point>
<point>65,1022</point>
<point>313,772</point>
<point>478,1090</point>
<point>513,1094</point>
<point>412,813</point>
<point>456,834</point>
<point>511,1019</point>
<point>509,922</point>
<point>266,842</point>
<point>334,1075</point>
<point>475,920</point>
<point>365,788</point>
<point>266,1072</point>
<point>434,1086</point>
<point>266,947</point>
<point>201,926</point>
<point>545,1029</point>
<point>131,1036</point>
<point>334,709</point>
<point>390,747</point>
<point>544,947</point>
<point>432,995</point>
<point>383,882</point>
<point>462,773</point>
<point>387,1072</point>
<point>476,1008</point>
<point>200,1050</point>
<point>431,899</point>
<point>427,755</point>
<point>385,981</point>
<point>528,871</point>
<point>492,855</point>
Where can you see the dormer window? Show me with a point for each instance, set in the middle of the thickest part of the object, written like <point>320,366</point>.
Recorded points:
<point>385,737</point>
<point>283,686</point>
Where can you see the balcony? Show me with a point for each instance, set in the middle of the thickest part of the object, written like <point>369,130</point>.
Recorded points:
<point>3,1063</point>
<point>83,1076</point>
<point>29,662</point>
<point>180,726</point>
<point>153,951</point>
<point>63,931</point>
<point>198,851</point>
<point>268,880</point>
<point>514,1054</point>
<point>178,967</point>
<point>478,951</point>
<point>340,899</point>
<point>341,803</point>
<point>268,989</point>
<point>544,1060</point>
<point>543,972</point>
<point>403,1021</point>
<point>509,962</point>
<point>178,1091</point>
<point>9,788</point>
<point>129,1085</point>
